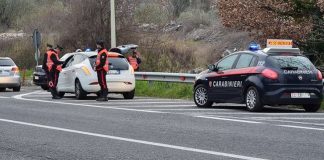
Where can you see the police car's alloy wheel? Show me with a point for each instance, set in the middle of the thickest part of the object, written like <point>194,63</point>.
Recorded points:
<point>201,96</point>
<point>252,100</point>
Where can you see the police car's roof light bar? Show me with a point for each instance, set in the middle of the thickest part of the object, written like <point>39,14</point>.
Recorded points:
<point>282,50</point>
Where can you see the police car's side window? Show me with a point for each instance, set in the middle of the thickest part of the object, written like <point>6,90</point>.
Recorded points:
<point>69,63</point>
<point>77,59</point>
<point>227,63</point>
<point>244,61</point>
<point>254,61</point>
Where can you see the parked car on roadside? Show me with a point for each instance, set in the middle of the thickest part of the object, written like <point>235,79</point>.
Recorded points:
<point>78,76</point>
<point>273,76</point>
<point>9,75</point>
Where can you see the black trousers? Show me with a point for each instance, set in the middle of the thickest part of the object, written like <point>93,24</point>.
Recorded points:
<point>102,82</point>
<point>52,77</point>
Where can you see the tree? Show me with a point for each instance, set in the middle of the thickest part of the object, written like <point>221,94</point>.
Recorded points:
<point>293,19</point>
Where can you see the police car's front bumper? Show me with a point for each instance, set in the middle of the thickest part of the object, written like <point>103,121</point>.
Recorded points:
<point>283,96</point>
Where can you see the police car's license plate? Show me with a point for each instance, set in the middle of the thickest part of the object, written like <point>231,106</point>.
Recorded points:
<point>300,95</point>
<point>113,72</point>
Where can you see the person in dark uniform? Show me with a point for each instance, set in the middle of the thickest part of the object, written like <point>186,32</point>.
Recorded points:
<point>52,69</point>
<point>102,67</point>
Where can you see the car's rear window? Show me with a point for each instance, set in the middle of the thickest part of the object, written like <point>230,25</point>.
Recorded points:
<point>6,62</point>
<point>115,63</point>
<point>292,62</point>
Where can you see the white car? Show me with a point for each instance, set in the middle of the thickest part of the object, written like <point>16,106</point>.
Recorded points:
<point>78,75</point>
<point>9,75</point>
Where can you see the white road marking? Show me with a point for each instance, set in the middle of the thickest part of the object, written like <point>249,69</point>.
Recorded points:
<point>4,97</point>
<point>296,122</point>
<point>288,118</point>
<point>188,109</point>
<point>20,97</point>
<point>155,106</point>
<point>301,127</point>
<point>270,114</point>
<point>143,103</point>
<point>223,154</point>
<point>228,119</point>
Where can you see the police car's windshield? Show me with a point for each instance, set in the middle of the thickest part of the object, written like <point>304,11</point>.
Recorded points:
<point>294,62</point>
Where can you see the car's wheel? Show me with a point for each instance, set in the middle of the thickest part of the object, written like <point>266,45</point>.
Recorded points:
<point>79,92</point>
<point>201,96</point>
<point>61,94</point>
<point>312,107</point>
<point>129,95</point>
<point>2,89</point>
<point>44,87</point>
<point>252,100</point>
<point>16,89</point>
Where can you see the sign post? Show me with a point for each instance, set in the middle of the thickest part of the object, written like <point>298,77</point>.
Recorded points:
<point>37,42</point>
<point>113,23</point>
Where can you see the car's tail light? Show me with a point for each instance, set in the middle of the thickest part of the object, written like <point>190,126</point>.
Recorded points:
<point>15,70</point>
<point>86,70</point>
<point>268,73</point>
<point>319,75</point>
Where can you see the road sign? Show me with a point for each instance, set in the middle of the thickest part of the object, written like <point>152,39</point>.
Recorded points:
<point>37,42</point>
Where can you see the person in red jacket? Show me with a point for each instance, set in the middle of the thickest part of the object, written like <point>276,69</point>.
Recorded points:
<point>102,67</point>
<point>51,65</point>
<point>134,60</point>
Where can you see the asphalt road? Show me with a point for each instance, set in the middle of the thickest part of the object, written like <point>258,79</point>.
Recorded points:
<point>33,126</point>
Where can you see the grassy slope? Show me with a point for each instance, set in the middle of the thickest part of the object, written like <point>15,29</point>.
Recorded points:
<point>164,90</point>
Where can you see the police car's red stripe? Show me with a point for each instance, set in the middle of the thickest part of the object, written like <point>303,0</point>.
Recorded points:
<point>249,70</point>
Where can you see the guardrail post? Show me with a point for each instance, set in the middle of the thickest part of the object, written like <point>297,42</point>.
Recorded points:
<point>150,83</point>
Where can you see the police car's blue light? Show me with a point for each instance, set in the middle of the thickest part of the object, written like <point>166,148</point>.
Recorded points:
<point>254,46</point>
<point>88,50</point>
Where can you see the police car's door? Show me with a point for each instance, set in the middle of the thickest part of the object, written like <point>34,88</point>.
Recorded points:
<point>218,82</point>
<point>244,67</point>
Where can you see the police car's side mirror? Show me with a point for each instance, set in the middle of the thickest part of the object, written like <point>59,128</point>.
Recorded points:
<point>212,67</point>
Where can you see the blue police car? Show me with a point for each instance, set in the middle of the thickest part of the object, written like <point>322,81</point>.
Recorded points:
<point>273,76</point>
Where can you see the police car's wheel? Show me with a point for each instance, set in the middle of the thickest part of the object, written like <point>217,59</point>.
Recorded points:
<point>312,107</point>
<point>79,92</point>
<point>201,96</point>
<point>129,95</point>
<point>252,100</point>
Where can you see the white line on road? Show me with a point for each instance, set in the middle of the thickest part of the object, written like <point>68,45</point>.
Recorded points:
<point>227,119</point>
<point>277,114</point>
<point>301,127</point>
<point>143,103</point>
<point>186,109</point>
<point>296,122</point>
<point>288,118</point>
<point>134,140</point>
<point>4,97</point>
<point>20,97</point>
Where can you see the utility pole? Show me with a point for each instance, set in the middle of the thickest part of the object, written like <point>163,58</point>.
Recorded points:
<point>113,23</point>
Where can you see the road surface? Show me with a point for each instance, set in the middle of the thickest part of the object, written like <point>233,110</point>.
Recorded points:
<point>33,126</point>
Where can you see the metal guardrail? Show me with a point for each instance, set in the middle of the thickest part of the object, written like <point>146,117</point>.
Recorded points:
<point>166,77</point>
